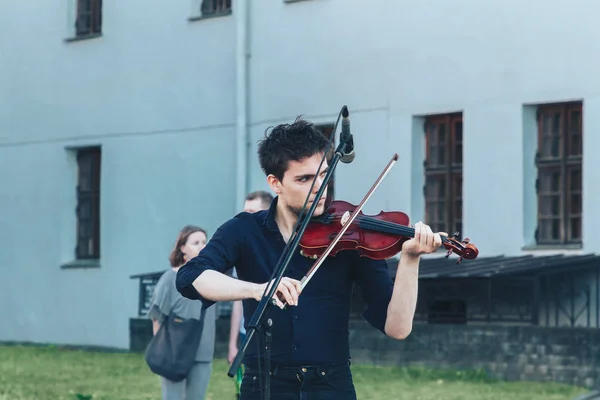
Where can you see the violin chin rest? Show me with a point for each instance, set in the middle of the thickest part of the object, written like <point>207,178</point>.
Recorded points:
<point>314,256</point>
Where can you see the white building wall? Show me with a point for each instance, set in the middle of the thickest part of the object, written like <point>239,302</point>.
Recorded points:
<point>157,92</point>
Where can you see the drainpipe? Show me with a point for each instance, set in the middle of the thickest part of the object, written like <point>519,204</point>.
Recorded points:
<point>241,13</point>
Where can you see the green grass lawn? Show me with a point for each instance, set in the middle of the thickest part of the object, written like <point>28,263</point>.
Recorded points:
<point>52,373</point>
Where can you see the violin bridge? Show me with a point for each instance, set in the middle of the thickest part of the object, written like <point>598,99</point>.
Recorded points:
<point>345,218</point>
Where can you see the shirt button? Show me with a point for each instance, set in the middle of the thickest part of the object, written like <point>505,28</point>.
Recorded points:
<point>295,348</point>
<point>295,316</point>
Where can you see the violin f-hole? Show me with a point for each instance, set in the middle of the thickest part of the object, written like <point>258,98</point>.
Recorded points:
<point>347,233</point>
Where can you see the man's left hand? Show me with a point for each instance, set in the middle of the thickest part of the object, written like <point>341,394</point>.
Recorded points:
<point>424,242</point>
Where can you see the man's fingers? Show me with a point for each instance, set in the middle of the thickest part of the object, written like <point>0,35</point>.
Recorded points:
<point>292,291</point>
<point>418,231</point>
<point>429,236</point>
<point>298,285</point>
<point>278,299</point>
<point>288,290</point>
<point>278,302</point>
<point>285,293</point>
<point>295,288</point>
<point>422,233</point>
<point>437,240</point>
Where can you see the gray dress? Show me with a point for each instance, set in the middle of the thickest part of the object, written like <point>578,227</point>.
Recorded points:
<point>167,299</point>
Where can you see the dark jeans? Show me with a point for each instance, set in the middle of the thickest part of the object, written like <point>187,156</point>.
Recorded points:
<point>330,382</point>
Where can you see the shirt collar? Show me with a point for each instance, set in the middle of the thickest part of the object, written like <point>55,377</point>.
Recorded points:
<point>270,220</point>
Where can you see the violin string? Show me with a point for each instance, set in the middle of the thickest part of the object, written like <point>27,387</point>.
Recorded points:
<point>374,223</point>
<point>400,229</point>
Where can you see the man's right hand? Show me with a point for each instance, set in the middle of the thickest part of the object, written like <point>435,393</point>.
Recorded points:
<point>289,289</point>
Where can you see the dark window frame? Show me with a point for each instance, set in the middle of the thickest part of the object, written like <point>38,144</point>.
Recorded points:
<point>443,170</point>
<point>88,203</point>
<point>216,7</point>
<point>88,19</point>
<point>559,184</point>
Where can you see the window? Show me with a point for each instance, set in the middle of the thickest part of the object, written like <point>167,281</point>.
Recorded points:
<point>88,204</point>
<point>215,7</point>
<point>88,20</point>
<point>443,172</point>
<point>559,166</point>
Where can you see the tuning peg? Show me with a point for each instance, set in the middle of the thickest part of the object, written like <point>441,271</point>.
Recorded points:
<point>448,253</point>
<point>455,235</point>
<point>466,241</point>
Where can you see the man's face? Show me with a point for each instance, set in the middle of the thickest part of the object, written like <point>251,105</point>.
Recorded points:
<point>252,206</point>
<point>298,178</point>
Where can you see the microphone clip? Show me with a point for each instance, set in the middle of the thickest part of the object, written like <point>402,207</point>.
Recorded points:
<point>346,147</point>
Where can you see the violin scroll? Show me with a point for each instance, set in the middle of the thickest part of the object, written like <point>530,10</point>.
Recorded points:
<point>464,249</point>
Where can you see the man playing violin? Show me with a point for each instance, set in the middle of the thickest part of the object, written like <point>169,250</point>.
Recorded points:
<point>310,355</point>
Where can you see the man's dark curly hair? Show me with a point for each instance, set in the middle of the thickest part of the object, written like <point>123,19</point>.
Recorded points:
<point>291,142</point>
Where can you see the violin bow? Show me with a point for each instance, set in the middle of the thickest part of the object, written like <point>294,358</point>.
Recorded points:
<point>346,222</point>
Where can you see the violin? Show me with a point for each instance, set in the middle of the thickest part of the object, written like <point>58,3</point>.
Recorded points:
<point>375,236</point>
<point>343,226</point>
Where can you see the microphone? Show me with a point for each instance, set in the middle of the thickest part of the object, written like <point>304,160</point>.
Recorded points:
<point>346,137</point>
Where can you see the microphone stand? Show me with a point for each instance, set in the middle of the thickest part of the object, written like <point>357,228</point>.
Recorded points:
<point>259,320</point>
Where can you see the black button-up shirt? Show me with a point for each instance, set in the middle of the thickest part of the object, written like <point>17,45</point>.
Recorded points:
<point>316,330</point>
